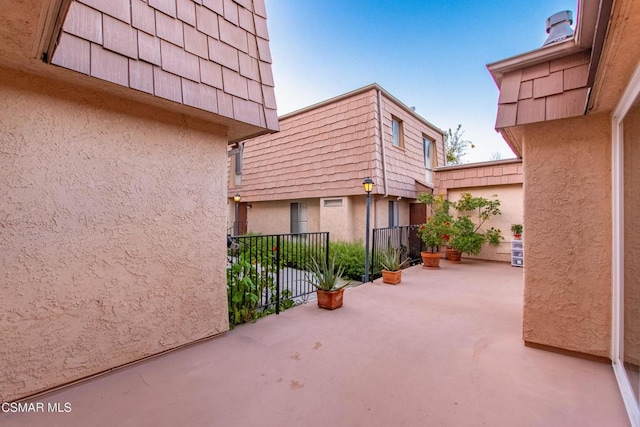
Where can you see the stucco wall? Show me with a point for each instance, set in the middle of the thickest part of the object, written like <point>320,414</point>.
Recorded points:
<point>632,236</point>
<point>112,244</point>
<point>275,217</point>
<point>337,220</point>
<point>567,212</point>
<point>511,206</point>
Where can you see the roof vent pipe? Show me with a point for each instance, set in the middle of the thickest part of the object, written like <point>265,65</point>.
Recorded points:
<point>559,27</point>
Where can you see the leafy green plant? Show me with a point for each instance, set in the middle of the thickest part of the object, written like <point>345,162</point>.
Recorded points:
<point>464,238</point>
<point>390,260</point>
<point>438,223</point>
<point>351,256</point>
<point>326,275</point>
<point>249,286</point>
<point>243,292</point>
<point>468,236</point>
<point>516,228</point>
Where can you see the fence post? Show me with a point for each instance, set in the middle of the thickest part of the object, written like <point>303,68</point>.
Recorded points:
<point>277,268</point>
<point>326,247</point>
<point>374,251</point>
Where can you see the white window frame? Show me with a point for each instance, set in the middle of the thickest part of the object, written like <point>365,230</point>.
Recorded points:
<point>397,130</point>
<point>428,175</point>
<point>299,226</point>
<point>631,93</point>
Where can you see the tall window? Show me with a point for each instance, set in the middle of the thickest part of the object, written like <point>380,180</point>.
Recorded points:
<point>298,218</point>
<point>237,165</point>
<point>393,213</point>
<point>428,147</point>
<point>238,162</point>
<point>397,132</point>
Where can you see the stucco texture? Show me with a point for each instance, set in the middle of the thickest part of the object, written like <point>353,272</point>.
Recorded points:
<point>275,217</point>
<point>567,212</point>
<point>112,221</point>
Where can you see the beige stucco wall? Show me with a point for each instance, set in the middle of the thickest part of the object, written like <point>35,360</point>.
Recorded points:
<point>631,126</point>
<point>112,243</point>
<point>275,217</point>
<point>567,214</point>
<point>337,220</point>
<point>511,206</point>
<point>345,223</point>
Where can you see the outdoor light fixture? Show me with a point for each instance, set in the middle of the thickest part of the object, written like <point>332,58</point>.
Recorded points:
<point>236,197</point>
<point>368,186</point>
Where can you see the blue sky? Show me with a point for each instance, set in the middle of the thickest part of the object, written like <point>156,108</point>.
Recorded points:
<point>429,54</point>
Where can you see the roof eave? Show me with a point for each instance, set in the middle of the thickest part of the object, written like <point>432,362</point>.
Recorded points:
<point>545,53</point>
<point>583,39</point>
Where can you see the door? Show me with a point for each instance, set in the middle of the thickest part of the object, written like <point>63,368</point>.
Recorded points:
<point>417,213</point>
<point>242,218</point>
<point>626,248</point>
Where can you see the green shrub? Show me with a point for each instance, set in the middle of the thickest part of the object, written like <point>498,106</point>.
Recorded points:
<point>350,256</point>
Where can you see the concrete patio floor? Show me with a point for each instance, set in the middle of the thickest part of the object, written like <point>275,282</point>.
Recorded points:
<point>443,348</point>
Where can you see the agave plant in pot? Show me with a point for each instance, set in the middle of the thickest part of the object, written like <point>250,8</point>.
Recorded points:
<point>390,261</point>
<point>326,278</point>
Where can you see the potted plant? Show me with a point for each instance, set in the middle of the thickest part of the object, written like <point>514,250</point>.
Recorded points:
<point>391,266</point>
<point>467,236</point>
<point>325,277</point>
<point>516,229</point>
<point>433,232</point>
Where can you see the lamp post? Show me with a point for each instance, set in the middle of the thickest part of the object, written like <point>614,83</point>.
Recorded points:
<point>236,199</point>
<point>368,186</point>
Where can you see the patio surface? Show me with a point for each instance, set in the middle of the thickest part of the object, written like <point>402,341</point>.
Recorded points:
<point>443,348</point>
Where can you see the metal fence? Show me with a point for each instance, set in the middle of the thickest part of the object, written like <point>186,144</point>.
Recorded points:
<point>405,238</point>
<point>267,273</point>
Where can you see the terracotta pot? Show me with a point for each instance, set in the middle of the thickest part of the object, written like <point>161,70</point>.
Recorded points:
<point>453,255</point>
<point>517,236</point>
<point>430,260</point>
<point>329,299</point>
<point>391,277</point>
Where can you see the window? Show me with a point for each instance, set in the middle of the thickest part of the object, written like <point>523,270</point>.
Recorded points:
<point>238,162</point>
<point>397,132</point>
<point>428,147</point>
<point>332,203</point>
<point>237,154</point>
<point>393,213</point>
<point>298,218</point>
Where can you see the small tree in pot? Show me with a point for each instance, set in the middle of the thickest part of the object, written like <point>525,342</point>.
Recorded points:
<point>467,236</point>
<point>433,231</point>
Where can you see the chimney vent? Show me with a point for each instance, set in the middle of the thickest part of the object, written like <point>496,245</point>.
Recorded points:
<point>559,27</point>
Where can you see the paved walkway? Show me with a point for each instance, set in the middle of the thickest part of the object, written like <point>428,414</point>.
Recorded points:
<point>443,348</point>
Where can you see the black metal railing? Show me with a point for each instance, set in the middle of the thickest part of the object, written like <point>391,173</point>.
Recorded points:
<point>268,273</point>
<point>405,238</point>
